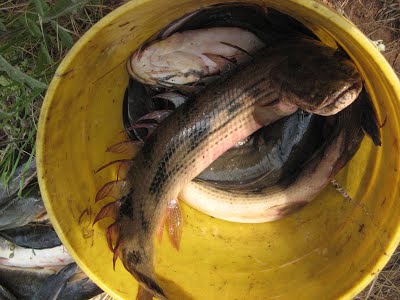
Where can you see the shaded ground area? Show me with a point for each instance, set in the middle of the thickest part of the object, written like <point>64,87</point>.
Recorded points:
<point>378,19</point>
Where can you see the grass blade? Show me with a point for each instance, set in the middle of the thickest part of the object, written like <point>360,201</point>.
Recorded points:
<point>17,75</point>
<point>33,27</point>
<point>2,26</point>
<point>65,37</point>
<point>41,7</point>
<point>65,9</point>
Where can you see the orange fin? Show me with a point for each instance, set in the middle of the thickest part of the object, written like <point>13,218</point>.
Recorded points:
<point>150,127</point>
<point>220,60</point>
<point>143,294</point>
<point>160,229</point>
<point>123,169</point>
<point>114,189</point>
<point>123,161</point>
<point>116,253</point>
<point>236,47</point>
<point>126,147</point>
<point>174,219</point>
<point>113,234</point>
<point>108,211</point>
<point>157,115</point>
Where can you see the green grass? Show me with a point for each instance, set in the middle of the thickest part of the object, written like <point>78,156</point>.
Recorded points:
<point>34,37</point>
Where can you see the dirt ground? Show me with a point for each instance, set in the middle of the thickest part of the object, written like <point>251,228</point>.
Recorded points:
<point>379,20</point>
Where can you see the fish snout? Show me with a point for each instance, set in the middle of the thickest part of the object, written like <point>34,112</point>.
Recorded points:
<point>323,97</point>
<point>340,99</point>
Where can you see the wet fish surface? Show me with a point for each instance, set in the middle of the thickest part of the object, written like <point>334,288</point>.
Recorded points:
<point>13,255</point>
<point>277,83</point>
<point>79,287</point>
<point>343,134</point>
<point>267,24</point>
<point>55,283</point>
<point>268,155</point>
<point>186,57</point>
<point>26,282</point>
<point>6,294</point>
<point>34,236</point>
<point>272,154</point>
<point>28,171</point>
<point>19,211</point>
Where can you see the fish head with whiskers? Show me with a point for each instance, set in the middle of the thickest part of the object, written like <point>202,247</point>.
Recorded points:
<point>315,77</point>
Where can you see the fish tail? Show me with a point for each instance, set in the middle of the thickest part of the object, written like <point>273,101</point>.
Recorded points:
<point>136,253</point>
<point>130,237</point>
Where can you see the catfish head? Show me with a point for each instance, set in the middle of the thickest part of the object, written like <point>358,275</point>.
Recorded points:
<point>315,77</point>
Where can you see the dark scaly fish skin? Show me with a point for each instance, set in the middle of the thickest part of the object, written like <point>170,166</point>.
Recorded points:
<point>5,294</point>
<point>257,202</point>
<point>55,283</point>
<point>269,27</point>
<point>216,119</point>
<point>25,282</point>
<point>369,119</point>
<point>294,83</point>
<point>272,150</point>
<point>271,153</point>
<point>139,101</point>
<point>34,236</point>
<point>27,171</point>
<point>19,211</point>
<point>266,23</point>
<point>79,287</point>
<point>342,135</point>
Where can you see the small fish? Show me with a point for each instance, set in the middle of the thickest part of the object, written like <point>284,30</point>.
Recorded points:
<point>300,73</point>
<point>34,236</point>
<point>13,255</point>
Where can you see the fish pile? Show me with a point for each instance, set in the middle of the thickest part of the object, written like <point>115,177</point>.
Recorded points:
<point>240,112</point>
<point>33,262</point>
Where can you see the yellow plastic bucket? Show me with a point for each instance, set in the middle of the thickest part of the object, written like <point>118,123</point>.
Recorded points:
<point>331,249</point>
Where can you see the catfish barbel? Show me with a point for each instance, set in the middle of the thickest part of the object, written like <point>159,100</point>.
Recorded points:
<point>299,73</point>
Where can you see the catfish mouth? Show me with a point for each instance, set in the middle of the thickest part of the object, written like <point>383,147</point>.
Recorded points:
<point>339,100</point>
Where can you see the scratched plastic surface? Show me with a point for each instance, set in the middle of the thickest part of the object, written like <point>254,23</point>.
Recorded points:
<point>331,249</point>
